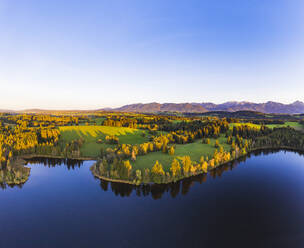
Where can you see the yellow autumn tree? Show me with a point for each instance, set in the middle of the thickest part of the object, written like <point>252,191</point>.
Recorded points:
<point>204,167</point>
<point>158,173</point>
<point>128,167</point>
<point>175,168</point>
<point>171,151</point>
<point>158,169</point>
<point>186,161</point>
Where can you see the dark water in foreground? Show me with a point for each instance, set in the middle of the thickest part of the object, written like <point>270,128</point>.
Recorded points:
<point>256,203</point>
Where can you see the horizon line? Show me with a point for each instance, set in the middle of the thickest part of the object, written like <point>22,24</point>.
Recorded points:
<point>113,108</point>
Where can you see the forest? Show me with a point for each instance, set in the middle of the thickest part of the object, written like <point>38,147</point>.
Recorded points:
<point>141,148</point>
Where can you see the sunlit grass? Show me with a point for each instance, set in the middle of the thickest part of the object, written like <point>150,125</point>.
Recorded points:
<point>91,134</point>
<point>231,125</point>
<point>194,150</point>
<point>95,131</point>
<point>293,124</point>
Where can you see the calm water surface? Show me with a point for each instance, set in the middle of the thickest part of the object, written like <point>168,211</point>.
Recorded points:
<point>255,203</point>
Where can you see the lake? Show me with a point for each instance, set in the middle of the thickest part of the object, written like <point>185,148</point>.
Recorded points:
<point>258,202</point>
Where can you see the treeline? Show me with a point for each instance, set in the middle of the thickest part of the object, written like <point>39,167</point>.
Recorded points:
<point>22,140</point>
<point>30,120</point>
<point>243,139</point>
<point>268,122</point>
<point>281,138</point>
<point>180,168</point>
<point>151,122</point>
<point>248,132</point>
<point>156,191</point>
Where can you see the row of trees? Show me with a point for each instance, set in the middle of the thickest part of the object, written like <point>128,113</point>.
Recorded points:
<point>41,120</point>
<point>242,139</point>
<point>180,168</point>
<point>25,140</point>
<point>281,138</point>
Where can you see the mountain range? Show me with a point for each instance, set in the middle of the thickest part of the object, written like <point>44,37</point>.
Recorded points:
<point>267,107</point>
<point>154,107</point>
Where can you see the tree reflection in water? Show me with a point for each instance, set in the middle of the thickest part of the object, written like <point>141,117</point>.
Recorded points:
<point>17,175</point>
<point>157,191</point>
<point>11,176</point>
<point>53,162</point>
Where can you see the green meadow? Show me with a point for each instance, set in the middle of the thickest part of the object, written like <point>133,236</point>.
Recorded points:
<point>91,134</point>
<point>293,124</point>
<point>194,150</point>
<point>231,125</point>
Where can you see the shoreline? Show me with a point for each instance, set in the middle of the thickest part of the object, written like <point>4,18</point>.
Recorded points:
<point>21,161</point>
<point>29,156</point>
<point>284,148</point>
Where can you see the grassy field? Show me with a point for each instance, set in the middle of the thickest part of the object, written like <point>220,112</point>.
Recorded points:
<point>97,120</point>
<point>194,150</point>
<point>231,125</point>
<point>91,134</point>
<point>294,125</point>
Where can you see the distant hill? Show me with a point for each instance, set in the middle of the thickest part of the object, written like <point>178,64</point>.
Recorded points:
<point>154,107</point>
<point>166,107</point>
<point>268,107</point>
<point>6,111</point>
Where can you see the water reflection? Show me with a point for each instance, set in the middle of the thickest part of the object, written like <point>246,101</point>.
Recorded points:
<point>11,176</point>
<point>182,187</point>
<point>154,190</point>
<point>53,162</point>
<point>16,175</point>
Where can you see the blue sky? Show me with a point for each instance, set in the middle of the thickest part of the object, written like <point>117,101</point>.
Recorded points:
<point>65,54</point>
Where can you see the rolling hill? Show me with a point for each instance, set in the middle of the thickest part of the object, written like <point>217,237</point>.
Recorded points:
<point>268,107</point>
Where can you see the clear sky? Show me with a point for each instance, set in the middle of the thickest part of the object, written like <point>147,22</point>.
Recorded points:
<point>65,54</point>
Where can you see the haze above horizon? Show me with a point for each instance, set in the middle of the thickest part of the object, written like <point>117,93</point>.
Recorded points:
<point>95,54</point>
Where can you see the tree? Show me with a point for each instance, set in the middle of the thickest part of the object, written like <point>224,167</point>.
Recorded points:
<point>133,156</point>
<point>186,161</point>
<point>138,178</point>
<point>128,167</point>
<point>204,167</point>
<point>158,169</point>
<point>175,168</point>
<point>171,151</point>
<point>211,163</point>
<point>151,147</point>
<point>165,148</point>
<point>158,173</point>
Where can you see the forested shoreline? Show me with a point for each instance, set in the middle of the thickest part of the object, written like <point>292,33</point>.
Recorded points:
<point>138,148</point>
<point>243,140</point>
